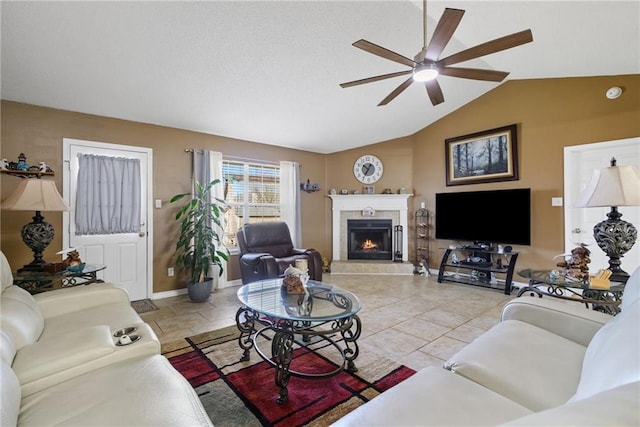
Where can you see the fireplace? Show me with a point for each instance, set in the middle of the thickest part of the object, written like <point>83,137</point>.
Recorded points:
<point>392,207</point>
<point>369,239</point>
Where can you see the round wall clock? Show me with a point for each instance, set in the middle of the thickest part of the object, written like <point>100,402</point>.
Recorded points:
<point>368,169</point>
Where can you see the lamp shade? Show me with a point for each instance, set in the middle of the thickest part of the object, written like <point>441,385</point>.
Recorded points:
<point>612,186</point>
<point>35,195</point>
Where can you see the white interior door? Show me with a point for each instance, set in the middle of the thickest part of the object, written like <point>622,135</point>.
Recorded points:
<point>127,256</point>
<point>579,163</point>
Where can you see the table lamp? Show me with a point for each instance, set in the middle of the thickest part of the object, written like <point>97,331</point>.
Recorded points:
<point>36,195</point>
<point>613,186</point>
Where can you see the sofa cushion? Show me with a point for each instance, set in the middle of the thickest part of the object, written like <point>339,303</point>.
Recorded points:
<point>21,319</point>
<point>524,363</point>
<point>7,349</point>
<point>612,358</point>
<point>10,396</point>
<point>69,300</point>
<point>436,397</point>
<point>143,391</point>
<point>50,356</point>
<point>619,406</point>
<point>116,316</point>
<point>6,276</point>
<point>565,318</point>
<point>631,290</point>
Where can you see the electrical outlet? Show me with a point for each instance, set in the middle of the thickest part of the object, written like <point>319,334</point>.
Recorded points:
<point>158,203</point>
<point>170,271</point>
<point>556,201</point>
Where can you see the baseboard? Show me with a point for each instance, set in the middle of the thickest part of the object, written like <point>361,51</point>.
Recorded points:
<point>167,294</point>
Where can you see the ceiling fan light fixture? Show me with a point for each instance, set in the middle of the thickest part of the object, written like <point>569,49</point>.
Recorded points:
<point>425,73</point>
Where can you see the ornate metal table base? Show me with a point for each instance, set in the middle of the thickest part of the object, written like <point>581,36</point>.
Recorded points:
<point>40,281</point>
<point>603,300</point>
<point>282,345</point>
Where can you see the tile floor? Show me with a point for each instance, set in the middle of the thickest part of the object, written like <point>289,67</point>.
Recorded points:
<point>411,319</point>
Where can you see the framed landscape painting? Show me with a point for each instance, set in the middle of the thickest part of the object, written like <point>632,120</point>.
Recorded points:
<point>487,156</point>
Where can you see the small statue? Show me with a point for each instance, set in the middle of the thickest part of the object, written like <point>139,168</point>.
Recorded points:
<point>421,269</point>
<point>72,259</point>
<point>4,164</point>
<point>576,265</point>
<point>294,281</point>
<point>22,163</point>
<point>325,265</point>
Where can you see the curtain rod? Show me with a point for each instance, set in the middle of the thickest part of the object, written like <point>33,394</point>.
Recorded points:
<point>244,159</point>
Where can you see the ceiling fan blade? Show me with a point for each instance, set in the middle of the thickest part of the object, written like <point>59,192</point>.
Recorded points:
<point>474,74</point>
<point>493,46</point>
<point>443,32</point>
<point>375,79</point>
<point>434,91</point>
<point>397,91</point>
<point>383,53</point>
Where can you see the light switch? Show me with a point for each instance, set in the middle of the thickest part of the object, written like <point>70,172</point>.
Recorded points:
<point>158,203</point>
<point>556,201</point>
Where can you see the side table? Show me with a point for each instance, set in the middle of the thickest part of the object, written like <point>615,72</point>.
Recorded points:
<point>41,281</point>
<point>541,282</point>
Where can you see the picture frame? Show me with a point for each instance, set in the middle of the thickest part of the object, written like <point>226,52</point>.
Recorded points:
<point>369,189</point>
<point>487,156</point>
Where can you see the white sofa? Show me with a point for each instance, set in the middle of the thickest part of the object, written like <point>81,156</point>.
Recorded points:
<point>547,363</point>
<point>61,365</point>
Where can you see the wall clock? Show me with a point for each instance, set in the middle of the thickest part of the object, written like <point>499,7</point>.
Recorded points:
<point>368,169</point>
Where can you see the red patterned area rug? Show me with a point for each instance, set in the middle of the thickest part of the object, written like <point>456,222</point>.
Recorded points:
<point>238,393</point>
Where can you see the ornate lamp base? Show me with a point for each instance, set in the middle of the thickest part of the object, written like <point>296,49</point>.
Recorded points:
<point>37,235</point>
<point>615,237</point>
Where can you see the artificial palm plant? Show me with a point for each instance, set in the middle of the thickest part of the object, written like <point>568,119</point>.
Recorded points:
<point>199,243</point>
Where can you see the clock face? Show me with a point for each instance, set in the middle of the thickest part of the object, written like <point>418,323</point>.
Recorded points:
<point>368,169</point>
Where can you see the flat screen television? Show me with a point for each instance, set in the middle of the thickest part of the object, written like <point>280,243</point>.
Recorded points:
<point>495,216</point>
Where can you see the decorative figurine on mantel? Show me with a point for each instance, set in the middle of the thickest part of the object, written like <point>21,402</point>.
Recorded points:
<point>22,163</point>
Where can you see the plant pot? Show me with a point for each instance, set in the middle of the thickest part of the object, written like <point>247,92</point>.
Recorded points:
<point>200,292</point>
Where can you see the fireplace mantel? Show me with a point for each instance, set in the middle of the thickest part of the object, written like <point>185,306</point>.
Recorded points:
<point>394,206</point>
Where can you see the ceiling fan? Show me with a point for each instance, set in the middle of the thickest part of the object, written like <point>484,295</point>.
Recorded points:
<point>426,65</point>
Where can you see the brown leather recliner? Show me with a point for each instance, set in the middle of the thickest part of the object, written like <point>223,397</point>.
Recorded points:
<point>266,250</point>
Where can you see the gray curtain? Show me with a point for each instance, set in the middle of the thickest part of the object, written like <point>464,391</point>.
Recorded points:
<point>108,195</point>
<point>207,166</point>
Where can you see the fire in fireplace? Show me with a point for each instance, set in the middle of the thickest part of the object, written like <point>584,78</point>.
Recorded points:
<point>369,239</point>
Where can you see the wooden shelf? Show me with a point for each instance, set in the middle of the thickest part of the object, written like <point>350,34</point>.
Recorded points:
<point>26,174</point>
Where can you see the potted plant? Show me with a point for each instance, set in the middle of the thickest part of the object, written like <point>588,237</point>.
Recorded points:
<point>199,243</point>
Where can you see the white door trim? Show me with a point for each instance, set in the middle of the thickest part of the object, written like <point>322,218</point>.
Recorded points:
<point>572,186</point>
<point>66,144</point>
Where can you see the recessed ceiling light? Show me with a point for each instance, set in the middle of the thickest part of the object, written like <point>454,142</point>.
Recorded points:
<point>614,92</point>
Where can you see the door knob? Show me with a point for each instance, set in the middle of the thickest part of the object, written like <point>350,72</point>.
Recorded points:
<point>142,234</point>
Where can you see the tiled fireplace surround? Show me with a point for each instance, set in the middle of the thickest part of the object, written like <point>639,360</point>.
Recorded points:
<point>352,206</point>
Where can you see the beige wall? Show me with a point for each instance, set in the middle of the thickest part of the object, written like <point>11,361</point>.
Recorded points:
<point>38,132</point>
<point>550,114</point>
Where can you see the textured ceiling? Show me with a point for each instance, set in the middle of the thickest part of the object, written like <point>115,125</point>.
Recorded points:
<point>269,71</point>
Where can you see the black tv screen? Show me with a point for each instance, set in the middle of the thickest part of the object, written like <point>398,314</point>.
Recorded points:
<point>496,216</point>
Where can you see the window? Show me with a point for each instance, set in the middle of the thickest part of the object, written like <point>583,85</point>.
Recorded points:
<point>252,192</point>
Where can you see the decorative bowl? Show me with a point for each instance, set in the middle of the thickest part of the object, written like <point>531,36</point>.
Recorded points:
<point>76,268</point>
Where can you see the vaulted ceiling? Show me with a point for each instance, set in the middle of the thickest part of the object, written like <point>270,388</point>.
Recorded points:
<point>269,71</point>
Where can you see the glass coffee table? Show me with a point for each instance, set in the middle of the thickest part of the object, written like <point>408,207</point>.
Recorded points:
<point>326,312</point>
<point>547,282</point>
